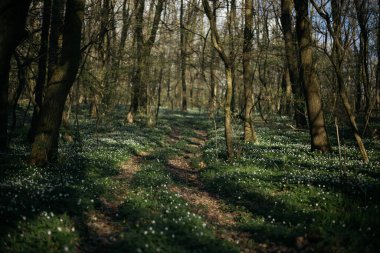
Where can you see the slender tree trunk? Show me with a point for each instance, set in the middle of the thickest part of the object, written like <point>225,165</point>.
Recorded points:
<point>378,62</point>
<point>228,133</point>
<point>362,17</point>
<point>137,74</point>
<point>57,20</point>
<point>213,106</point>
<point>160,80</point>
<point>213,86</point>
<point>23,82</point>
<point>45,145</point>
<point>248,75</point>
<point>228,72</point>
<point>42,66</point>
<point>143,51</point>
<point>286,86</point>
<point>337,60</point>
<point>13,15</point>
<point>334,27</point>
<point>231,24</point>
<point>358,80</point>
<point>351,116</point>
<point>148,45</point>
<point>292,63</point>
<point>183,43</point>
<point>318,134</point>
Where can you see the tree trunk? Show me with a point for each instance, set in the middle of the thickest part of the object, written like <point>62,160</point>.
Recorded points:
<point>228,134</point>
<point>143,51</point>
<point>213,106</point>
<point>318,134</point>
<point>351,116</point>
<point>362,17</point>
<point>13,15</point>
<point>42,66</point>
<point>228,72</point>
<point>232,29</point>
<point>378,62</point>
<point>213,86</point>
<point>337,60</point>
<point>292,63</point>
<point>137,75</point>
<point>45,145</point>
<point>336,57</point>
<point>248,75</point>
<point>286,86</point>
<point>183,43</point>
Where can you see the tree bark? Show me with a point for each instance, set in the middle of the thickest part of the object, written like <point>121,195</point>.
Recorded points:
<point>336,57</point>
<point>228,72</point>
<point>362,17</point>
<point>337,60</point>
<point>183,43</point>
<point>378,62</point>
<point>143,51</point>
<point>292,63</point>
<point>13,15</point>
<point>42,66</point>
<point>137,74</point>
<point>318,134</point>
<point>45,145</point>
<point>248,75</point>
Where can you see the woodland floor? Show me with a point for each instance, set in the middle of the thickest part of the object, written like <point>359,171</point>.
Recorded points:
<point>131,189</point>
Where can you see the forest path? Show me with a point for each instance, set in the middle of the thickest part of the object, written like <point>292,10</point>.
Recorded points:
<point>103,224</point>
<point>182,159</point>
<point>185,169</point>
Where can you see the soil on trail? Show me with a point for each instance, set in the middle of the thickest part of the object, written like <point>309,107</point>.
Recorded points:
<point>102,224</point>
<point>184,168</point>
<point>212,208</point>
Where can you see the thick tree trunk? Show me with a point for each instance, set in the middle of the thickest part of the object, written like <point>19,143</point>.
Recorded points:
<point>318,134</point>
<point>248,75</point>
<point>13,15</point>
<point>292,63</point>
<point>45,145</point>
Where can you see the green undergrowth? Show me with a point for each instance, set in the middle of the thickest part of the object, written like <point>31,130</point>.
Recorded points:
<point>279,192</point>
<point>158,219</point>
<point>38,205</point>
<point>49,209</point>
<point>301,198</point>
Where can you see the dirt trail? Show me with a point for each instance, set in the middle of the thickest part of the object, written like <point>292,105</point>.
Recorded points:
<point>191,188</point>
<point>185,168</point>
<point>102,224</point>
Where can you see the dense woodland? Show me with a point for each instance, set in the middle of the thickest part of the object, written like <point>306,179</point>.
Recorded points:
<point>224,104</point>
